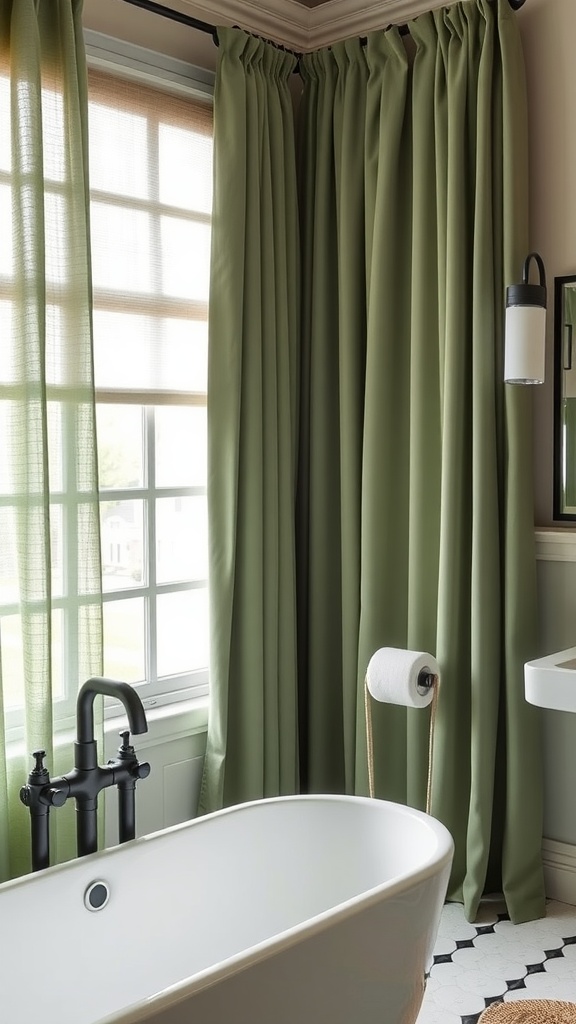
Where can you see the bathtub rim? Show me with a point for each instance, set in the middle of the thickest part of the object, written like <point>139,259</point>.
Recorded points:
<point>137,1013</point>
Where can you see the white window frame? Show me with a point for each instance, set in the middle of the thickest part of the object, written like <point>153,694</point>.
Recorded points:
<point>138,64</point>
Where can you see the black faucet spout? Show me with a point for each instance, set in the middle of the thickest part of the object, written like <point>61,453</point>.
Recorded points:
<point>87,778</point>
<point>123,692</point>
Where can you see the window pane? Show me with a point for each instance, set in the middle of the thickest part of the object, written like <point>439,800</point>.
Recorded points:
<point>182,632</point>
<point>181,446</point>
<point>53,141</point>
<point>55,451</point>
<point>9,416</point>
<point>9,585</point>
<point>124,640</point>
<point>185,160</point>
<point>6,249</point>
<point>185,355</point>
<point>122,343</point>
<point>5,466</point>
<point>57,549</point>
<point>120,446</point>
<point>120,248</point>
<point>56,246</point>
<point>186,258</point>
<point>181,539</point>
<point>118,151</point>
<point>58,665</point>
<point>142,353</point>
<point>7,370</point>
<point>8,567</point>
<point>12,671</point>
<point>13,660</point>
<point>122,535</point>
<point>5,136</point>
<point>56,347</point>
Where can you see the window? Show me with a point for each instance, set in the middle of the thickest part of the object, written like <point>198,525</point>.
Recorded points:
<point>151,195</point>
<point>151,181</point>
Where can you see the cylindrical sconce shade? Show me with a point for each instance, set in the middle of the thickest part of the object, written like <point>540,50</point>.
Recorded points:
<point>524,359</point>
<point>525,352</point>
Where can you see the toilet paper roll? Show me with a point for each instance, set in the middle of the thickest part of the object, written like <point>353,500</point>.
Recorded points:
<point>392,676</point>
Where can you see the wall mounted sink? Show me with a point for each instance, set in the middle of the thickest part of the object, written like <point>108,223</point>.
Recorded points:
<point>551,682</point>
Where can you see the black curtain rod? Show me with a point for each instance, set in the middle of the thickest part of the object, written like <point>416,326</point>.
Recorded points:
<point>203,26</point>
<point>183,19</point>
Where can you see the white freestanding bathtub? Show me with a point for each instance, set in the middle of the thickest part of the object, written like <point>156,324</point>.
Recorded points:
<point>297,910</point>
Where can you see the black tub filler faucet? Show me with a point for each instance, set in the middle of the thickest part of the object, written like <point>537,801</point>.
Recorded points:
<point>86,780</point>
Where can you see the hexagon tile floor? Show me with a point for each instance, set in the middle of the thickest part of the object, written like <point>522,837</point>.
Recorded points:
<point>494,961</point>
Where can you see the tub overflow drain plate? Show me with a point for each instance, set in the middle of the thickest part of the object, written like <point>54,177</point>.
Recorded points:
<point>97,895</point>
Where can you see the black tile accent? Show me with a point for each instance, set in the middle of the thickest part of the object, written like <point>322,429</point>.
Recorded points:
<point>515,984</point>
<point>442,958</point>
<point>493,999</point>
<point>553,954</point>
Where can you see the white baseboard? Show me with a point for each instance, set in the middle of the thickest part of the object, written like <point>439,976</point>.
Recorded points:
<point>559,871</point>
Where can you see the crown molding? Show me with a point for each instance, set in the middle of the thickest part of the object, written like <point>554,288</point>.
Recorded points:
<point>284,21</point>
<point>342,19</point>
<point>303,28</point>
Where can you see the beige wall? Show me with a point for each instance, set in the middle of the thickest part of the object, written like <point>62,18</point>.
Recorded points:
<point>548,29</point>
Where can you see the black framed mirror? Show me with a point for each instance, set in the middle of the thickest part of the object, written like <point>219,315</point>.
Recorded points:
<point>565,397</point>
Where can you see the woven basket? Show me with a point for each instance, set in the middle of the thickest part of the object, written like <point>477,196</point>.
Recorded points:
<point>530,1011</point>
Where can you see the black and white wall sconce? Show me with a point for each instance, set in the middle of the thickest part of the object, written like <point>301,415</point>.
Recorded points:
<point>525,343</point>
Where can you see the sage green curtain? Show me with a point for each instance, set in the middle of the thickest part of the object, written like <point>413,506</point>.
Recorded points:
<point>252,428</point>
<point>50,628</point>
<point>415,509</point>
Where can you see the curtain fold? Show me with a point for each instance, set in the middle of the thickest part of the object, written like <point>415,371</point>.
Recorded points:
<point>51,630</point>
<point>415,493</point>
<point>252,428</point>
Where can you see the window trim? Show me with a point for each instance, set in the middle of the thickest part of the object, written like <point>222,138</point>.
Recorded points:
<point>142,65</point>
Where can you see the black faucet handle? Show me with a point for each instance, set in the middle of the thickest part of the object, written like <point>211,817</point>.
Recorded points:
<point>39,774</point>
<point>126,747</point>
<point>53,797</point>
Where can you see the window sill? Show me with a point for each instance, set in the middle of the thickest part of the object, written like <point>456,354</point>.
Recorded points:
<point>171,722</point>
<point>165,724</point>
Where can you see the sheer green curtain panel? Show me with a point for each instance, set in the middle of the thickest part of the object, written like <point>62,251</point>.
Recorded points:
<point>415,492</point>
<point>252,428</point>
<point>50,607</point>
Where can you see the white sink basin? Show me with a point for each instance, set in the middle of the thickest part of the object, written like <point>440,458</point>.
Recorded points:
<point>551,682</point>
